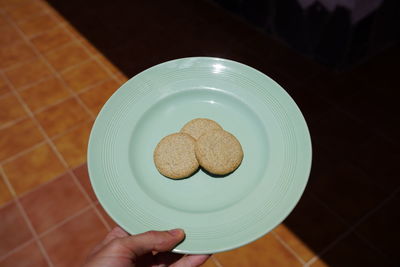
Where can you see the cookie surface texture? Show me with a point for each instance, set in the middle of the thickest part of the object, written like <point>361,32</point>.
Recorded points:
<point>198,127</point>
<point>219,152</point>
<point>174,156</point>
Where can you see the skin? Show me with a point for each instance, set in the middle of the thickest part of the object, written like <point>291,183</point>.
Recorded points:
<point>149,249</point>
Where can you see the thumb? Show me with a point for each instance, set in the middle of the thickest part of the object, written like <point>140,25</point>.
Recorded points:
<point>147,242</point>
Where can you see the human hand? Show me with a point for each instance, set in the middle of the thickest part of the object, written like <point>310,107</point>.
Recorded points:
<point>149,249</point>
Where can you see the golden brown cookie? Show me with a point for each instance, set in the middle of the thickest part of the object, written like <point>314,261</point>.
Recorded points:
<point>174,156</point>
<point>198,127</point>
<point>218,152</point>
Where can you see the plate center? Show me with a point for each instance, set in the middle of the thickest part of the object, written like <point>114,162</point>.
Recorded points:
<point>200,192</point>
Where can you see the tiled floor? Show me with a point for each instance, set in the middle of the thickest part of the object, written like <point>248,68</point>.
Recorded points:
<point>52,85</point>
<point>53,82</point>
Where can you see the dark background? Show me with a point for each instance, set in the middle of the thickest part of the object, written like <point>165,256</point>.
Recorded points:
<point>346,88</point>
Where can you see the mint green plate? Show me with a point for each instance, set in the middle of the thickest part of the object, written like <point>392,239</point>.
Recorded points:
<point>217,213</point>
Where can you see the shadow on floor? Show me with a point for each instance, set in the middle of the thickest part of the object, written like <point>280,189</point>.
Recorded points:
<point>347,214</point>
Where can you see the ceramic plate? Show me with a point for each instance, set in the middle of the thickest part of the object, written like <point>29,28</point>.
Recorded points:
<point>217,213</point>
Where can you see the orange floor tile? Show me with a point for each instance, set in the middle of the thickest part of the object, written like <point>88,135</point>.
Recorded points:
<point>45,93</point>
<point>33,168</point>
<point>66,56</point>
<point>69,244</point>
<point>53,202</point>
<point>73,145</point>
<point>51,39</point>
<point>28,73</point>
<point>14,230</point>
<point>13,54</point>
<point>11,109</point>
<point>27,255</point>
<point>18,138</point>
<point>62,116</point>
<point>86,74</point>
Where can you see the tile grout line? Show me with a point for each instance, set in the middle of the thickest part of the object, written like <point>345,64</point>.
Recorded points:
<point>346,223</point>
<point>71,129</point>
<point>102,219</point>
<point>94,117</point>
<point>55,73</point>
<point>48,77</point>
<point>26,218</point>
<point>58,102</point>
<point>61,158</point>
<point>15,250</point>
<point>58,154</point>
<point>39,186</point>
<point>31,16</point>
<point>16,5</point>
<point>98,57</point>
<point>25,151</point>
<point>331,211</point>
<point>291,251</point>
<point>70,97</point>
<point>372,246</point>
<point>57,25</point>
<point>54,226</point>
<point>12,43</point>
<point>61,46</point>
<point>382,134</point>
<point>312,261</point>
<point>29,85</point>
<point>80,42</point>
<point>6,203</point>
<point>84,90</point>
<point>33,231</point>
<point>6,94</point>
<point>216,261</point>
<point>22,89</point>
<point>93,56</point>
<point>12,123</point>
<point>63,99</point>
<point>55,150</point>
<point>64,163</point>
<point>21,153</point>
<point>40,56</point>
<point>368,242</point>
<point>355,225</point>
<point>10,187</point>
<point>31,37</point>
<point>66,220</point>
<point>16,65</point>
<point>77,65</point>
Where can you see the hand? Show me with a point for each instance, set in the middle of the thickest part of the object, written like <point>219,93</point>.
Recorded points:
<point>149,249</point>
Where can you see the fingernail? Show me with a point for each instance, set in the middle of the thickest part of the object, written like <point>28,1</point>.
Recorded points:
<point>176,232</point>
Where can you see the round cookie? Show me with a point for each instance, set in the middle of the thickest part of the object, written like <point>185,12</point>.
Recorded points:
<point>219,152</point>
<point>174,156</point>
<point>198,127</point>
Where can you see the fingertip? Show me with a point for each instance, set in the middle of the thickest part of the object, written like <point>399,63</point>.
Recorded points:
<point>159,241</point>
<point>177,232</point>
